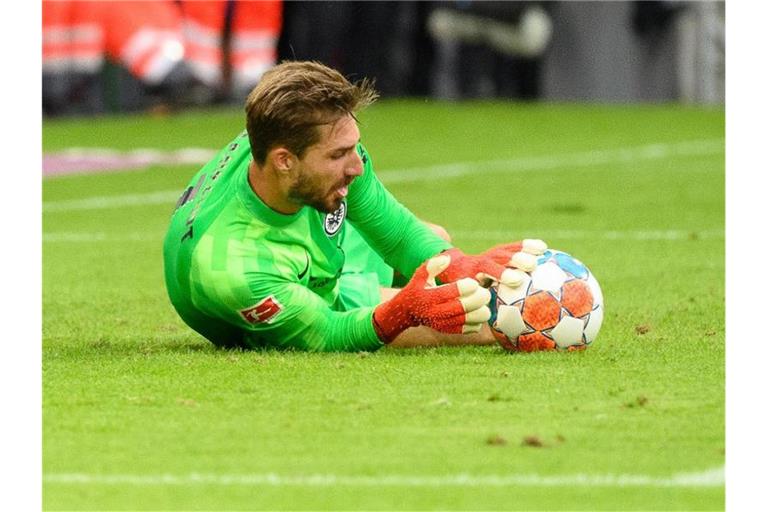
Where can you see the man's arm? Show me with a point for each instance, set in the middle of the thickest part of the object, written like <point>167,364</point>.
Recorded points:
<point>389,227</point>
<point>404,241</point>
<point>283,314</point>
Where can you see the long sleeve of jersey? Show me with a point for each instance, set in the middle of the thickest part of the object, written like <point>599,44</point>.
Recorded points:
<point>389,227</point>
<point>305,322</point>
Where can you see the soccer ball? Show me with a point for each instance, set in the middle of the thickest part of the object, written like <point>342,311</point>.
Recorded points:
<point>559,306</point>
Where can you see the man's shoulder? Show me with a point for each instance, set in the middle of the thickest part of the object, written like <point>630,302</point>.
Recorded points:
<point>244,249</point>
<point>364,155</point>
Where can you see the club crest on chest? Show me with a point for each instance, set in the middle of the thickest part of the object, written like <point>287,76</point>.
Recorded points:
<point>333,221</point>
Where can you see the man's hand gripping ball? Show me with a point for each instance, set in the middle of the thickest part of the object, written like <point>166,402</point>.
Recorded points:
<point>454,308</point>
<point>506,263</point>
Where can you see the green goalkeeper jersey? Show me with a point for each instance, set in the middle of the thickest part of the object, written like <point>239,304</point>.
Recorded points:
<point>242,274</point>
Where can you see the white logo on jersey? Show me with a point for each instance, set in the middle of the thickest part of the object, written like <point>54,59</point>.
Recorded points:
<point>333,221</point>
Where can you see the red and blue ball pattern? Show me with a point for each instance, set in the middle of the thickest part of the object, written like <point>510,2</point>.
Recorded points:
<point>558,307</point>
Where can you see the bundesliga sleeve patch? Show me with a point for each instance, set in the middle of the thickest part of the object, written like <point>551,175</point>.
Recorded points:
<point>262,313</point>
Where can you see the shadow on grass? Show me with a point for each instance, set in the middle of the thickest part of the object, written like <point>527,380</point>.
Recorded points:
<point>182,344</point>
<point>125,346</point>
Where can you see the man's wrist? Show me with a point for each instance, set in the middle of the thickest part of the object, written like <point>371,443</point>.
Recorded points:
<point>388,324</point>
<point>380,333</point>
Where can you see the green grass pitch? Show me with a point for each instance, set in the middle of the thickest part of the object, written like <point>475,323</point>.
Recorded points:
<point>140,413</point>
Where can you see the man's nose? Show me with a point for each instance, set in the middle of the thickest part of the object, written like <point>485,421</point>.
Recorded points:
<point>355,167</point>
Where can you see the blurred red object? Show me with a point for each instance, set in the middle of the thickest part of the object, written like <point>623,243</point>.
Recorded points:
<point>223,42</point>
<point>231,43</point>
<point>145,37</point>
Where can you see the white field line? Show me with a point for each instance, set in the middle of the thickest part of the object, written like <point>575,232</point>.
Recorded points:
<point>671,235</point>
<point>714,477</point>
<point>101,237</point>
<point>445,171</point>
<point>168,197</point>
<point>145,156</point>
<point>548,162</point>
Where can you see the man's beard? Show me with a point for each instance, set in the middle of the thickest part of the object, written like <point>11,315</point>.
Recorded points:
<point>305,192</point>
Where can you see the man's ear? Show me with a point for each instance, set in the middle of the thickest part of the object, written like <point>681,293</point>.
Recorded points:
<point>283,160</point>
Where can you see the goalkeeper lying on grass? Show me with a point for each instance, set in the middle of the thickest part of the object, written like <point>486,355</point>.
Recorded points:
<point>285,237</point>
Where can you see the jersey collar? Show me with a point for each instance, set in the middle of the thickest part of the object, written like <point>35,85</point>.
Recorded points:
<point>256,206</point>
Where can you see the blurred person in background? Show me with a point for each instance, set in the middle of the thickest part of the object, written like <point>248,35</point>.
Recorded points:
<point>230,44</point>
<point>444,49</point>
<point>488,49</point>
<point>372,39</point>
<point>79,37</point>
<point>644,51</point>
<point>130,55</point>
<point>165,52</point>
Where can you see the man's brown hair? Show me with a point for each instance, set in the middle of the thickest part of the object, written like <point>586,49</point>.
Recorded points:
<point>293,99</point>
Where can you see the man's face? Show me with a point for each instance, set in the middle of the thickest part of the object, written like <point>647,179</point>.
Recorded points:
<point>324,174</point>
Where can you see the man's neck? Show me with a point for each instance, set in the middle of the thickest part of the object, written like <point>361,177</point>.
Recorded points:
<point>265,183</point>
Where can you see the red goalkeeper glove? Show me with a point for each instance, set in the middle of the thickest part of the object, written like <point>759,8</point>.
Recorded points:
<point>454,308</point>
<point>503,263</point>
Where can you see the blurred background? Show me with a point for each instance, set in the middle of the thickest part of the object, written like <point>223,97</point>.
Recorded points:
<point>124,56</point>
